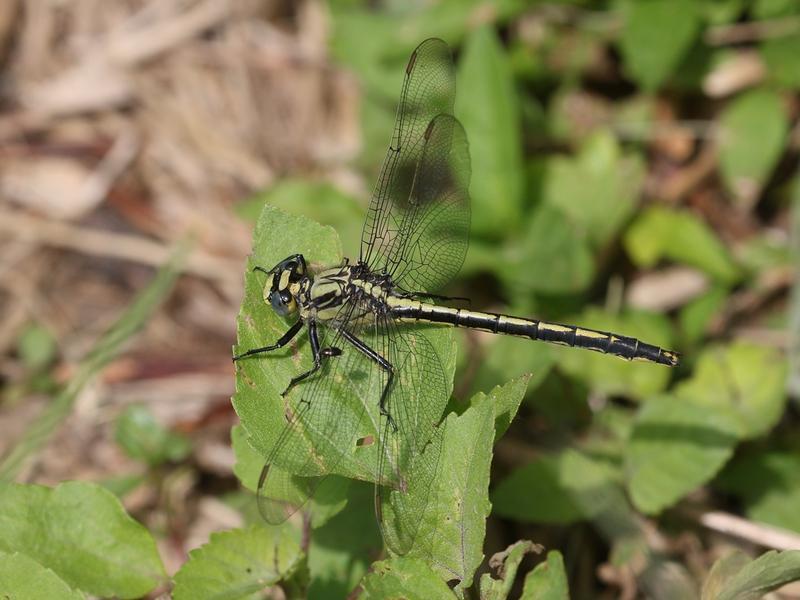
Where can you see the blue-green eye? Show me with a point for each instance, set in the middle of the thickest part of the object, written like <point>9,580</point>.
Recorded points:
<point>282,302</point>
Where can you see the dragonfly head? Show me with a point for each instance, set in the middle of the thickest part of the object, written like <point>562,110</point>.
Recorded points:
<point>283,284</point>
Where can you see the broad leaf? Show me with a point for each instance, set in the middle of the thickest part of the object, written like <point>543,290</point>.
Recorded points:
<point>315,200</point>
<point>753,580</point>
<point>553,256</point>
<point>743,379</point>
<point>143,438</point>
<point>559,489</point>
<point>780,55</point>
<point>330,497</point>
<point>240,563</point>
<point>341,551</point>
<point>661,233</point>
<point>81,532</point>
<point>487,106</point>
<point>548,581</point>
<point>451,530</point>
<point>36,347</point>
<point>597,189</point>
<point>505,357</point>
<point>351,400</point>
<point>506,564</point>
<point>408,578</point>
<point>769,484</point>
<point>505,400</point>
<point>655,36</point>
<point>752,133</point>
<point>676,446</point>
<point>22,577</point>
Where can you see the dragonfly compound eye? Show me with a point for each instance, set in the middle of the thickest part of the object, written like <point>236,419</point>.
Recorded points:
<point>282,302</point>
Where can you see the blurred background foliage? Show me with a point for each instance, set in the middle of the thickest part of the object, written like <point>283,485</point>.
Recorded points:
<point>634,169</point>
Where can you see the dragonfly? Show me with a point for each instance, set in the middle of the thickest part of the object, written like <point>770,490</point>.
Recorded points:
<point>377,388</point>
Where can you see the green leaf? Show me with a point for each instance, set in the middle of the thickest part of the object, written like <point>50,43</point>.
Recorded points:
<point>754,579</point>
<point>239,563</point>
<point>259,380</point>
<point>597,189</point>
<point>675,447</point>
<point>317,200</point>
<point>506,563</point>
<point>655,37</point>
<point>22,577</point>
<point>548,581</point>
<point>451,529</point>
<point>722,570</point>
<point>408,578</point>
<point>506,400</point>
<point>780,55</point>
<point>341,551</point>
<point>721,12</point>
<point>143,438</point>
<point>551,257</point>
<point>376,44</point>
<point>680,236</point>
<point>81,532</point>
<point>249,462</point>
<point>696,315</point>
<point>771,9</point>
<point>36,347</point>
<point>752,133</point>
<point>610,374</point>
<point>330,497</point>
<point>743,379</point>
<point>122,485</point>
<point>505,357</point>
<point>487,105</point>
<point>769,484</point>
<point>558,489</point>
<point>101,354</point>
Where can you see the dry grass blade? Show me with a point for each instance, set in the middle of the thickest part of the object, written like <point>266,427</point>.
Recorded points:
<point>104,351</point>
<point>794,307</point>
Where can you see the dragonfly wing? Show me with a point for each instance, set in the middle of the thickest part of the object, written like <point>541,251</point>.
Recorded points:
<point>327,418</point>
<point>414,192</point>
<point>432,243</point>
<point>409,455</point>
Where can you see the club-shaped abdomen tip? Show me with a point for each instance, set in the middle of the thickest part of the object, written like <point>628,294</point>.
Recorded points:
<point>670,358</point>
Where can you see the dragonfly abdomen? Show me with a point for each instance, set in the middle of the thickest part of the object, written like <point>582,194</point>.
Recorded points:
<point>625,347</point>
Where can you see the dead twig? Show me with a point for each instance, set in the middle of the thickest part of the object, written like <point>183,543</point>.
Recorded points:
<point>757,533</point>
<point>752,31</point>
<point>132,248</point>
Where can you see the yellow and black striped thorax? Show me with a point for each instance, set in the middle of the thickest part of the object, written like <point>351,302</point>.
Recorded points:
<point>332,287</point>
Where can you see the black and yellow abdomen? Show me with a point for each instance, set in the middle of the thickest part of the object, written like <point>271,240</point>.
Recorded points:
<point>625,347</point>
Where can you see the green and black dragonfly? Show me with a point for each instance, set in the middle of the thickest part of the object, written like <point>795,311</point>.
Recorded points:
<point>364,320</point>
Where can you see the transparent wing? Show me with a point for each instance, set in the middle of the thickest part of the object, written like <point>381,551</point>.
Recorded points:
<point>408,458</point>
<point>432,243</point>
<point>331,426</point>
<point>417,224</point>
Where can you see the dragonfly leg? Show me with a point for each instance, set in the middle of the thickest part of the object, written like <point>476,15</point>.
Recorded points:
<point>285,339</point>
<point>384,364</point>
<point>318,354</point>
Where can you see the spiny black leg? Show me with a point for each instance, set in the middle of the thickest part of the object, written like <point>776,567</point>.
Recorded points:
<point>384,396</point>
<point>285,339</point>
<point>384,364</point>
<point>317,353</point>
